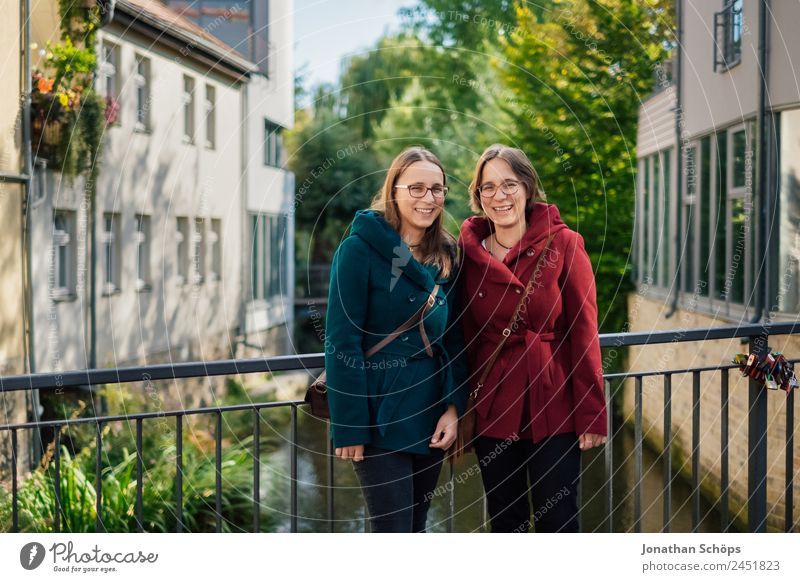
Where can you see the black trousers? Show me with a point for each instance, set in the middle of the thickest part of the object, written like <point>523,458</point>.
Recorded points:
<point>398,487</point>
<point>553,467</point>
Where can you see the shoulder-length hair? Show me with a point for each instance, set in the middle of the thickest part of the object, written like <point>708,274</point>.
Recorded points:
<point>520,165</point>
<point>438,246</point>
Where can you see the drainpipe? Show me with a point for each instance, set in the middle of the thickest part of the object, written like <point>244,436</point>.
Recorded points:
<point>763,158</point>
<point>677,81</point>
<point>243,262</point>
<point>27,156</point>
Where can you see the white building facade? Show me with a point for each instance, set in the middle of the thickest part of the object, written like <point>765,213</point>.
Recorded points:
<point>176,193</point>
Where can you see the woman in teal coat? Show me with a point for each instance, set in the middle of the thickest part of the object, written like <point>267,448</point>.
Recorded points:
<point>395,413</point>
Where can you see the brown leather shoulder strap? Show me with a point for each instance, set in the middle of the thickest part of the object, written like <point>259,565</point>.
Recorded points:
<point>507,331</point>
<point>408,324</point>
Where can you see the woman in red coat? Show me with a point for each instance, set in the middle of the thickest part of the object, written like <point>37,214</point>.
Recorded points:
<point>542,402</point>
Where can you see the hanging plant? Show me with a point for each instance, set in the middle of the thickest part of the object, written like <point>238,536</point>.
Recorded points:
<point>68,117</point>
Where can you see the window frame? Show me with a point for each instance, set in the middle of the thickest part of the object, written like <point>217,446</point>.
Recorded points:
<point>109,72</point>
<point>273,144</point>
<point>215,254</point>
<point>111,251</point>
<point>142,83</point>
<point>63,239</point>
<point>727,47</point>
<point>182,246</point>
<point>198,250</point>
<point>189,116</point>
<point>211,117</point>
<point>141,236</point>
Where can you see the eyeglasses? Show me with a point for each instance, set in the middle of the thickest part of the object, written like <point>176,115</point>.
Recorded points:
<point>510,187</point>
<point>420,190</point>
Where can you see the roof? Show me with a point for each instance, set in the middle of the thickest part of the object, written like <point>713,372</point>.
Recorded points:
<point>155,14</point>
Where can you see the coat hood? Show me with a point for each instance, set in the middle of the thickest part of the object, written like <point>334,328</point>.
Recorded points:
<point>543,220</point>
<point>371,226</point>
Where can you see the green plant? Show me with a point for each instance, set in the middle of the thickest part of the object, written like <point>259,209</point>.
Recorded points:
<point>67,116</point>
<point>36,496</point>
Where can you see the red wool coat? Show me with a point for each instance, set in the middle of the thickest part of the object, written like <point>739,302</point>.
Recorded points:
<point>554,355</point>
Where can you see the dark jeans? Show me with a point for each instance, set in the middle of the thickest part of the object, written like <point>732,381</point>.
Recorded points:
<point>553,467</point>
<point>398,487</point>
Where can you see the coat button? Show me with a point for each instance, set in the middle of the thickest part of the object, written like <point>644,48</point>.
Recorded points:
<point>530,252</point>
<point>440,300</point>
<point>481,293</point>
<point>404,338</point>
<point>518,290</point>
<point>412,297</point>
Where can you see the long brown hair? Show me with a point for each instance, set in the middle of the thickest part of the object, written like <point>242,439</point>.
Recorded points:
<point>520,165</point>
<point>438,246</point>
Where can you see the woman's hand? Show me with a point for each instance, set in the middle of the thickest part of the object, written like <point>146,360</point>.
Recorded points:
<point>355,452</point>
<point>445,433</point>
<point>589,440</point>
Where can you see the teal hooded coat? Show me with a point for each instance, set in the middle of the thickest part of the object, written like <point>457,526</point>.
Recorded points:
<point>394,399</point>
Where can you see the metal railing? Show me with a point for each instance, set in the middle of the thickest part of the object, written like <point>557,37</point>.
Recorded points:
<point>757,429</point>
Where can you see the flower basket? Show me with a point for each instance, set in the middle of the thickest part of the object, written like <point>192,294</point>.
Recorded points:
<point>46,128</point>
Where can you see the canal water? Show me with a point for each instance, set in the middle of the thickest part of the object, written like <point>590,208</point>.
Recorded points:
<point>350,512</point>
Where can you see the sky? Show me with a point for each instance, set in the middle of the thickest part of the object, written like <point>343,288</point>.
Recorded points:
<point>327,30</point>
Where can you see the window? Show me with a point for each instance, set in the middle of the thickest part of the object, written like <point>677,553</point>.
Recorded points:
<point>273,144</point>
<point>704,232</point>
<point>63,255</point>
<point>198,250</point>
<point>788,283</point>
<point>182,248</point>
<point>108,72</point>
<point>717,259</point>
<point>654,239</point>
<point>142,82</point>
<point>268,246</point>
<point>728,35</point>
<point>188,109</point>
<point>739,215</point>
<point>142,239</point>
<point>721,229</point>
<point>111,254</point>
<point>688,220</point>
<point>215,241</point>
<point>211,117</point>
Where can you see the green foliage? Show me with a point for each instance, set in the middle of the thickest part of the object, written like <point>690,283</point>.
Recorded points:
<point>583,71</point>
<point>560,79</point>
<point>69,117</point>
<point>36,496</point>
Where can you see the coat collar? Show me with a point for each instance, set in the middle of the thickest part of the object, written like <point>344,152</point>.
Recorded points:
<point>543,220</point>
<point>371,226</point>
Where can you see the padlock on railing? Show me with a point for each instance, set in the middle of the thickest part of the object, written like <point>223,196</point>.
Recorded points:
<point>772,369</point>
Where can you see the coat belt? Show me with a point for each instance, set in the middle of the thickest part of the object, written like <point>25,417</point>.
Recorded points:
<point>533,361</point>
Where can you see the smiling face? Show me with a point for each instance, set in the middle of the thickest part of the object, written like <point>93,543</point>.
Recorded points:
<point>419,213</point>
<point>505,210</point>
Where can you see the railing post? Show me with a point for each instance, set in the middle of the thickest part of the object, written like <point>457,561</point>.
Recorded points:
<point>696,451</point>
<point>57,479</point>
<point>609,457</point>
<point>637,456</point>
<point>98,479</point>
<point>667,454</point>
<point>789,456</point>
<point>329,470</point>
<point>14,497</point>
<point>179,473</point>
<point>293,470</point>
<point>257,471</point>
<point>757,446</point>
